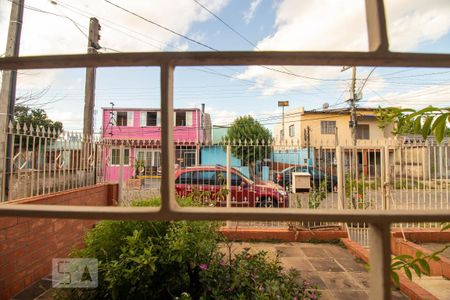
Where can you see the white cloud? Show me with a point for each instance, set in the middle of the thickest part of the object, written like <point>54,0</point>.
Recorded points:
<point>250,13</point>
<point>437,95</point>
<point>220,116</point>
<point>48,34</point>
<point>324,25</point>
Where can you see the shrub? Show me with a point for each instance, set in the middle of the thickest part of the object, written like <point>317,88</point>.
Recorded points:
<point>177,260</point>
<point>252,276</point>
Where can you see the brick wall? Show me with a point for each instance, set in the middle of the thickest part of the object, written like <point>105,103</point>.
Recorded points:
<point>27,245</point>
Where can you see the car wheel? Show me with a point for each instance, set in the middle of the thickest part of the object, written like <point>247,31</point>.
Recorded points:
<point>267,202</point>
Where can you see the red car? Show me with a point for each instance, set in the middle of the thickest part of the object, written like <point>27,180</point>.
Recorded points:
<point>211,180</point>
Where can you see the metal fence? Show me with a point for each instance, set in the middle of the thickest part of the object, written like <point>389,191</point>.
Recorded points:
<point>43,160</point>
<point>402,173</point>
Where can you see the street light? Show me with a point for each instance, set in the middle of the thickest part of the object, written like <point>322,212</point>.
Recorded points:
<point>283,104</point>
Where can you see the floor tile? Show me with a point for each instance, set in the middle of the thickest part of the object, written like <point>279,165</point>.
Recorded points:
<point>339,281</point>
<point>325,264</point>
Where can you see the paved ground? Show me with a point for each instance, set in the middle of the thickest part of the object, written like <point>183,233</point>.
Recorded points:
<point>336,273</point>
<point>436,247</point>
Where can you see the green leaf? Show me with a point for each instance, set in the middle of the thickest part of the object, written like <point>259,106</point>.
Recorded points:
<point>419,254</point>
<point>408,272</point>
<point>441,128</point>
<point>397,263</point>
<point>404,257</point>
<point>417,270</point>
<point>446,227</point>
<point>395,278</point>
<point>425,266</point>
<point>426,127</point>
<point>417,124</point>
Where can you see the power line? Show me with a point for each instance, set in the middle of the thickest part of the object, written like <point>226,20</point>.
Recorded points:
<point>161,26</point>
<point>226,24</point>
<point>32,8</point>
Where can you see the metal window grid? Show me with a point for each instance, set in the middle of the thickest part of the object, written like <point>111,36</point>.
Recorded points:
<point>378,55</point>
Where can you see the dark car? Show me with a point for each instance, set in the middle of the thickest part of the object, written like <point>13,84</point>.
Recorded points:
<point>244,192</point>
<point>284,178</point>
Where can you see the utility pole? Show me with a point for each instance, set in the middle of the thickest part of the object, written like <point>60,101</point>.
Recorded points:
<point>8,94</point>
<point>353,121</point>
<point>283,104</point>
<point>89,95</point>
<point>308,140</point>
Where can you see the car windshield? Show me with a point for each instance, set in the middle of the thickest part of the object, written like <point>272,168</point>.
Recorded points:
<point>243,176</point>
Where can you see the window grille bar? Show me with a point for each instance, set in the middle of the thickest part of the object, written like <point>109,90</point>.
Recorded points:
<point>376,26</point>
<point>380,261</point>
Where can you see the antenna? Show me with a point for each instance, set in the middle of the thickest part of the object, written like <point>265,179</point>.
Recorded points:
<point>112,120</point>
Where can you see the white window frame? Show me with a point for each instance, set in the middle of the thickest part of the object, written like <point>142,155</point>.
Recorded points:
<point>291,130</point>
<point>118,148</point>
<point>327,128</point>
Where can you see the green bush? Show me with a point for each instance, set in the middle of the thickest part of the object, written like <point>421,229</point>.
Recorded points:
<point>177,260</point>
<point>252,276</point>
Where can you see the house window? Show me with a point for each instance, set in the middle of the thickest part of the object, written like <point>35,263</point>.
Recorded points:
<point>115,157</point>
<point>328,127</point>
<point>122,117</point>
<point>180,118</point>
<point>362,132</point>
<point>152,118</point>
<point>291,131</point>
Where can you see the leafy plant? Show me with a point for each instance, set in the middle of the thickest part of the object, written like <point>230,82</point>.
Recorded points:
<point>178,260</point>
<point>317,195</point>
<point>418,264</point>
<point>252,276</point>
<point>139,166</point>
<point>427,121</point>
<point>243,131</point>
<point>355,193</point>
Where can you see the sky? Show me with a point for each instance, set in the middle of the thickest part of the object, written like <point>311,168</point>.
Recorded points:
<point>61,27</point>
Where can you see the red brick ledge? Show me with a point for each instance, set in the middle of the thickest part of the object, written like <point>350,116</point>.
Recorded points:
<point>437,268</point>
<point>249,234</point>
<point>409,288</point>
<point>423,235</point>
<point>57,197</point>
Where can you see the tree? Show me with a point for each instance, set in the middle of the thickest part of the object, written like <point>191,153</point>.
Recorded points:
<point>250,140</point>
<point>36,117</point>
<point>427,121</point>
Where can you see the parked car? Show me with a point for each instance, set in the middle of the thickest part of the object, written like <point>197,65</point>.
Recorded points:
<point>211,180</point>
<point>284,178</point>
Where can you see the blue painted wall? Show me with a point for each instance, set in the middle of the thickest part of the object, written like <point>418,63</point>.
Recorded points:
<point>294,157</point>
<point>216,155</point>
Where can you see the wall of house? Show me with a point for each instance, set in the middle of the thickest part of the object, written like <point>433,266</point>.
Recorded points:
<point>291,118</point>
<point>182,133</point>
<point>293,156</point>
<point>343,136</point>
<point>28,245</point>
<point>216,155</point>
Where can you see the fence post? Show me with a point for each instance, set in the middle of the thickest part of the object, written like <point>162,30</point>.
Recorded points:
<point>387,178</point>
<point>228,179</point>
<point>121,162</point>
<point>340,177</point>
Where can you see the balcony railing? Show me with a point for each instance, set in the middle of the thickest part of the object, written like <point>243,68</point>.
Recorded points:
<point>378,55</point>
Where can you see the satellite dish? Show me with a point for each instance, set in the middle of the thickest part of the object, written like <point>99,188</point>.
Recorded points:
<point>325,105</point>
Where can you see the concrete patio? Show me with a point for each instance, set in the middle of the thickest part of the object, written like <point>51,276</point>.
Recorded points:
<point>335,272</point>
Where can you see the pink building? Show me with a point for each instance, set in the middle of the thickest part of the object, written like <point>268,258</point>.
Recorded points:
<point>139,129</point>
